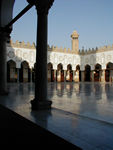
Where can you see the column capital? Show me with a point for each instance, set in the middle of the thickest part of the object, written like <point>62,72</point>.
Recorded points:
<point>42,6</point>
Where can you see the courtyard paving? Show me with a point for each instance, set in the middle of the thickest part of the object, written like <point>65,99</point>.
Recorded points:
<point>82,113</point>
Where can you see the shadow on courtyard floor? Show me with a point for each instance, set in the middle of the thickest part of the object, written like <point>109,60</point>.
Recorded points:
<point>15,129</point>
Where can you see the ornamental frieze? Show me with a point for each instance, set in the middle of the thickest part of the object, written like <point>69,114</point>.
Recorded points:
<point>51,58</point>
<point>65,59</point>
<point>109,57</point>
<point>25,55</point>
<point>19,53</point>
<point>74,59</point>
<point>31,57</point>
<point>87,60</point>
<point>102,59</point>
<point>11,54</point>
<point>18,59</point>
<point>70,60</point>
<point>55,58</point>
<point>92,60</point>
<point>61,58</point>
<point>97,59</point>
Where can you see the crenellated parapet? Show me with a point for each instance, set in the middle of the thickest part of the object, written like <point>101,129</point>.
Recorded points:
<point>21,44</point>
<point>27,45</point>
<point>61,50</point>
<point>96,50</point>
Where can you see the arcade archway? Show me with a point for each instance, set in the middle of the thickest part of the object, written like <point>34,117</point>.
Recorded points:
<point>50,72</point>
<point>109,72</point>
<point>87,73</point>
<point>77,74</point>
<point>69,73</point>
<point>97,72</point>
<point>25,72</point>
<point>60,73</point>
<point>11,71</point>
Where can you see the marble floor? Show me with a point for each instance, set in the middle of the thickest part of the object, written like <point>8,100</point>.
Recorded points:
<point>82,113</point>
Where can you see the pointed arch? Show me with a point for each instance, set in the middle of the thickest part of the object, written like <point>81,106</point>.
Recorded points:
<point>25,72</point>
<point>11,71</point>
<point>50,72</point>
<point>97,72</point>
<point>109,72</point>
<point>60,73</point>
<point>69,73</point>
<point>87,73</point>
<point>78,67</point>
<point>77,74</point>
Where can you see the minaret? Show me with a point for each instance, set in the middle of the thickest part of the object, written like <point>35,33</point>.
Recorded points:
<point>75,42</point>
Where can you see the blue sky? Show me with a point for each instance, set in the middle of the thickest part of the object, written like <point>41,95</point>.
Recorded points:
<point>93,20</point>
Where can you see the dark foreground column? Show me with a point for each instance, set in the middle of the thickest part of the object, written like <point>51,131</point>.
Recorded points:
<point>41,99</point>
<point>3,72</point>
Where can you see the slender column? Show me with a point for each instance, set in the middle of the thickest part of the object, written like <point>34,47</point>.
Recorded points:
<point>92,75</point>
<point>111,75</point>
<point>31,75</point>
<point>41,99</point>
<point>103,75</point>
<point>3,85</point>
<point>71,75</point>
<point>74,75</point>
<point>17,75</point>
<point>82,76</point>
<point>54,75</point>
<point>64,75</point>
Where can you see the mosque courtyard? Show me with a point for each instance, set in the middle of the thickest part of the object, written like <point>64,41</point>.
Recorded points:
<point>82,113</point>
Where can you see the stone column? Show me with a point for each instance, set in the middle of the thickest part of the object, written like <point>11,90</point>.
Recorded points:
<point>92,75</point>
<point>31,75</point>
<point>103,76</point>
<point>74,75</point>
<point>111,75</point>
<point>64,75</point>
<point>55,75</point>
<point>41,99</point>
<point>82,76</point>
<point>18,75</point>
<point>3,64</point>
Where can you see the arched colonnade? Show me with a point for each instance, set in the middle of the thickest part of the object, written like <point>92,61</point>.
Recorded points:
<point>27,74</point>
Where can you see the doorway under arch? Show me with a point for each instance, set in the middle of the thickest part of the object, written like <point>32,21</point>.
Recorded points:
<point>69,73</point>
<point>108,72</point>
<point>50,72</point>
<point>11,71</point>
<point>25,72</point>
<point>98,68</point>
<point>87,73</point>
<point>77,73</point>
<point>60,73</point>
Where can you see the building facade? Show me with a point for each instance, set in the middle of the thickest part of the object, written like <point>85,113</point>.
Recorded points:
<point>69,65</point>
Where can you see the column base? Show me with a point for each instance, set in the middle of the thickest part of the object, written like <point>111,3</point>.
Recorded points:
<point>40,105</point>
